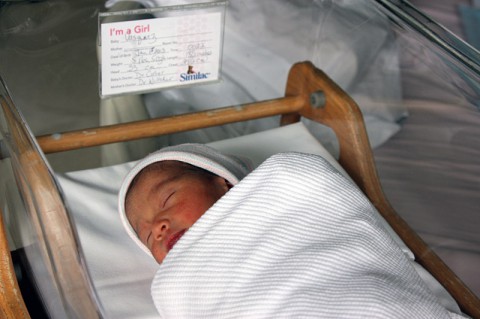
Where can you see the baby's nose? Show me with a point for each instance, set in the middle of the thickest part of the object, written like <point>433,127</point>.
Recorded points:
<point>160,228</point>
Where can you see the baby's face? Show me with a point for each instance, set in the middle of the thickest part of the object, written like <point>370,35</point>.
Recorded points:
<point>165,203</point>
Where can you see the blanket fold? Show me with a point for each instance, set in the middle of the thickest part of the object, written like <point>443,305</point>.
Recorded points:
<point>294,238</point>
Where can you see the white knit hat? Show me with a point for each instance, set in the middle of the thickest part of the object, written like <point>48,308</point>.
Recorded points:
<point>232,168</point>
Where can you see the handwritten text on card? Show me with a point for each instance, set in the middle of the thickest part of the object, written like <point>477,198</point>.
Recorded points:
<point>145,55</point>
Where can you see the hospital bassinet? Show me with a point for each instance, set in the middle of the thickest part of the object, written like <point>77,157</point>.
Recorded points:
<point>413,71</point>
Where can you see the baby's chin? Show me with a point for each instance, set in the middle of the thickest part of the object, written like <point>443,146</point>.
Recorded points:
<point>159,259</point>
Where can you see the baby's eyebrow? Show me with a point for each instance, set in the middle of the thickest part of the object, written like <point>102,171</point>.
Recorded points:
<point>148,237</point>
<point>135,229</point>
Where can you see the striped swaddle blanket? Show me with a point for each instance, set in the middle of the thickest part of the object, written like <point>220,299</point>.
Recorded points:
<point>295,238</point>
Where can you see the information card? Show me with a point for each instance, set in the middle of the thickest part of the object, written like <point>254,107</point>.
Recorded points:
<point>151,54</point>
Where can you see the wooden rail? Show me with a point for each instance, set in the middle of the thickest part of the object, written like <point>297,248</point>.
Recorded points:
<point>148,128</point>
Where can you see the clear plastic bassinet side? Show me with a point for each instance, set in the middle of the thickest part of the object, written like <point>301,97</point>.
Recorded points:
<point>38,225</point>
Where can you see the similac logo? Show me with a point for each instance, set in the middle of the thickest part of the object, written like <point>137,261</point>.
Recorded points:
<point>192,75</point>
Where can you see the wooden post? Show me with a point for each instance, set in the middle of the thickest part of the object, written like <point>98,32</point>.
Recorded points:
<point>343,115</point>
<point>12,305</point>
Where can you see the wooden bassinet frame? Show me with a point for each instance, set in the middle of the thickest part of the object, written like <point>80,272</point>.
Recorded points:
<point>310,94</point>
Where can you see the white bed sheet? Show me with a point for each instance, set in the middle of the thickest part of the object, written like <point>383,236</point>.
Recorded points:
<point>121,272</point>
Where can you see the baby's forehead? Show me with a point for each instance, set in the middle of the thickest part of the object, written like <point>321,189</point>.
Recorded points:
<point>169,164</point>
<point>153,169</point>
<point>170,170</point>
<point>151,172</point>
<point>165,167</point>
<point>170,167</point>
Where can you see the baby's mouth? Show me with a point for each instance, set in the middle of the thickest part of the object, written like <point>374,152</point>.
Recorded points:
<point>174,238</point>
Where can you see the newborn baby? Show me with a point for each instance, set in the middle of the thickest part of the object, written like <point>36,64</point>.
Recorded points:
<point>169,190</point>
<point>294,239</point>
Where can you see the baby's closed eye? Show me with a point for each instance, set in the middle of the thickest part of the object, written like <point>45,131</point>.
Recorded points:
<point>168,198</point>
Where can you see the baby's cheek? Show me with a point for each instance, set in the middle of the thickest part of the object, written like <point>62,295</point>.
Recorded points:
<point>194,210</point>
